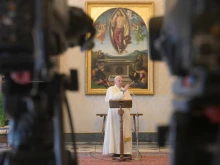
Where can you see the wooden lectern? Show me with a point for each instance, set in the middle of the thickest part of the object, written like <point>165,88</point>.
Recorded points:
<point>121,104</point>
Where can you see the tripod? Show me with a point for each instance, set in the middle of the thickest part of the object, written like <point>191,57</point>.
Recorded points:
<point>36,135</point>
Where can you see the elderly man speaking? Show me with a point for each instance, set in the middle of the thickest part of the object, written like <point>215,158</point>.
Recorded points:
<point>112,129</point>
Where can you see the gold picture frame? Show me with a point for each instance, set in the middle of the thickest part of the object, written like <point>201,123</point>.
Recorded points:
<point>121,47</point>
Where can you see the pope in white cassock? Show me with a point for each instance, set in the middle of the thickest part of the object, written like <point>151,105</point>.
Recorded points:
<point>112,129</point>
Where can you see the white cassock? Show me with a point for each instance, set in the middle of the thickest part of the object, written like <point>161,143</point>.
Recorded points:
<point>112,128</point>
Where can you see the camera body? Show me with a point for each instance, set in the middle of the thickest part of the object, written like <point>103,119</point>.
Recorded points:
<point>32,35</point>
<point>16,40</point>
<point>30,29</point>
<point>187,38</point>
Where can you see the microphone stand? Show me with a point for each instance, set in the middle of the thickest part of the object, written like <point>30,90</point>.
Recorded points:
<point>136,131</point>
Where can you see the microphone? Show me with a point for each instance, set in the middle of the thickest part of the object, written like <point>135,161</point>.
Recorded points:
<point>137,127</point>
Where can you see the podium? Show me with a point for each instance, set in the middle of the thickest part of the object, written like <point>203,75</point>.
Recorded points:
<point>121,104</point>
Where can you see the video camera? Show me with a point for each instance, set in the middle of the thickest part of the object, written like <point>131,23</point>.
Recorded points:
<point>33,33</point>
<point>187,38</point>
<point>188,35</point>
<point>34,27</point>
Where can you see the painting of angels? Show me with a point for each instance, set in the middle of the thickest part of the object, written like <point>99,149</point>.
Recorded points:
<point>121,48</point>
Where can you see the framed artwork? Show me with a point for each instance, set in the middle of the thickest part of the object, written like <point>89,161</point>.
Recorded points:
<point>121,46</point>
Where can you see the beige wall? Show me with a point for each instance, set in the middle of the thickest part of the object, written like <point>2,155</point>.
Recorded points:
<point>156,108</point>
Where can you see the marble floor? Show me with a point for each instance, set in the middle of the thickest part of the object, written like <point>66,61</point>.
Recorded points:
<point>97,147</point>
<point>88,152</point>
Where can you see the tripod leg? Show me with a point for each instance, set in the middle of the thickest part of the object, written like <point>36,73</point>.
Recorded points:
<point>136,132</point>
<point>58,134</point>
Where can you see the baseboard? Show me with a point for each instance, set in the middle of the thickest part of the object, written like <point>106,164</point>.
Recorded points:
<point>96,137</point>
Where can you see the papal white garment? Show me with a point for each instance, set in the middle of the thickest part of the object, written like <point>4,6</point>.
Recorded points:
<point>112,128</point>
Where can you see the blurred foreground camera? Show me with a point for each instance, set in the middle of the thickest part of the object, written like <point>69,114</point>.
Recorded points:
<point>35,26</point>
<point>187,38</point>
<point>32,35</point>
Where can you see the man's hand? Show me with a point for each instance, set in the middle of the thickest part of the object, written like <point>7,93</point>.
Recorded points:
<point>126,87</point>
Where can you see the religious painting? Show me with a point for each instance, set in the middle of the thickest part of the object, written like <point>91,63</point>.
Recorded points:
<point>121,47</point>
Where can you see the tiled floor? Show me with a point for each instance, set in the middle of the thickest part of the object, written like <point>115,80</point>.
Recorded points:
<point>96,147</point>
<point>92,152</point>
